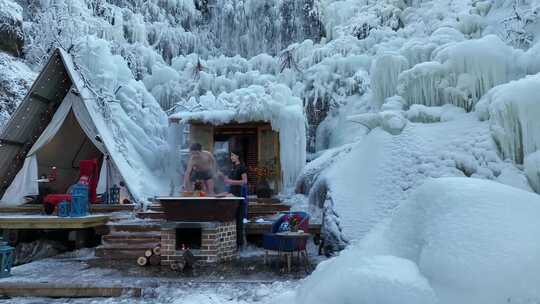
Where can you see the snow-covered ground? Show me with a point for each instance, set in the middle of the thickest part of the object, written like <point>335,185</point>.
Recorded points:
<point>395,93</point>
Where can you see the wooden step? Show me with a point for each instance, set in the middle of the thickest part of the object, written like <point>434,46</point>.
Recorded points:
<point>264,215</point>
<point>123,252</point>
<point>66,290</point>
<point>111,239</point>
<point>147,226</point>
<point>155,207</point>
<point>151,215</point>
<point>271,200</point>
<point>256,207</point>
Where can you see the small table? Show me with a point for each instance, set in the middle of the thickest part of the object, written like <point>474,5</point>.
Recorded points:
<point>291,242</point>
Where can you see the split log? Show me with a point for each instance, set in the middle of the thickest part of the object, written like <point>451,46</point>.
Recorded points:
<point>142,261</point>
<point>157,250</point>
<point>155,260</point>
<point>148,253</point>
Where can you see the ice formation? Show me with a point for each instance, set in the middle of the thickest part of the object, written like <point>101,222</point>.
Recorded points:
<point>127,116</point>
<point>512,110</point>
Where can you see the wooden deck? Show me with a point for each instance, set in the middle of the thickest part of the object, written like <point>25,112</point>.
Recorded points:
<point>94,208</point>
<point>29,221</point>
<point>59,290</point>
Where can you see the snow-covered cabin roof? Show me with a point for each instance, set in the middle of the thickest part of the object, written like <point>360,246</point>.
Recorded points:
<point>274,104</point>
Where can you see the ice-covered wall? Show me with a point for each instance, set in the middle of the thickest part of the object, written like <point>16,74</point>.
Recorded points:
<point>512,110</point>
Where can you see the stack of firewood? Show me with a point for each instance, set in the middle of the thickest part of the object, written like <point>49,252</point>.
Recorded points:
<point>151,257</point>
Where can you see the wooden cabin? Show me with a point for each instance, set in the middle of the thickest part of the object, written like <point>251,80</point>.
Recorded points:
<point>257,141</point>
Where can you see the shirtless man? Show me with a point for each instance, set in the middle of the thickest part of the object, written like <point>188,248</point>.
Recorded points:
<point>201,167</point>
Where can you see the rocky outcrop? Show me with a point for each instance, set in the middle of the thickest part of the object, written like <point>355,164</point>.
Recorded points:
<point>11,33</point>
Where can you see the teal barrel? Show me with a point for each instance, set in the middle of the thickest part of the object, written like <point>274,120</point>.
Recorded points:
<point>64,209</point>
<point>79,201</point>
<point>6,259</point>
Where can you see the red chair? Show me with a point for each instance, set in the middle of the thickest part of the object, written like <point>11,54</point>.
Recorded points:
<point>88,174</point>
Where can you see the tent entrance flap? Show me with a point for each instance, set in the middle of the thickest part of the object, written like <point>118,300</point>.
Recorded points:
<point>64,151</point>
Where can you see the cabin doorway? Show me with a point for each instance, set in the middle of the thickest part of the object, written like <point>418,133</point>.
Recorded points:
<point>238,138</point>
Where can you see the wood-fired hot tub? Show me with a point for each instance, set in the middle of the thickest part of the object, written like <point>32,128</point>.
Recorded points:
<point>200,209</point>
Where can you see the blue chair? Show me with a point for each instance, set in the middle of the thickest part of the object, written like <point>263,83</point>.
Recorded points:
<point>271,241</point>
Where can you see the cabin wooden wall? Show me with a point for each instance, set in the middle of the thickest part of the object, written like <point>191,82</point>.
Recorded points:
<point>268,150</point>
<point>203,134</point>
<point>269,155</point>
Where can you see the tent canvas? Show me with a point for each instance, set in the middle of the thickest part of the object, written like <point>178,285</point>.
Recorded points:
<point>69,136</point>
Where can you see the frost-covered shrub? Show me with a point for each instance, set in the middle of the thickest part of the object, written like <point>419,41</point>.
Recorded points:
<point>417,50</point>
<point>360,19</point>
<point>423,84</point>
<point>394,103</point>
<point>393,122</point>
<point>487,62</point>
<point>471,25</point>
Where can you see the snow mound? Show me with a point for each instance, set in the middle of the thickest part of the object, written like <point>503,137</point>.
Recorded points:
<point>470,238</point>
<point>357,279</point>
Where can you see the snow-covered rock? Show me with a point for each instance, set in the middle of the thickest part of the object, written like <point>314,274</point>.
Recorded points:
<point>469,238</point>
<point>351,278</point>
<point>15,80</point>
<point>11,21</point>
<point>455,240</point>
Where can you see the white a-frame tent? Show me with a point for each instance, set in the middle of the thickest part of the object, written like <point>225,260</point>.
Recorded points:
<point>53,126</point>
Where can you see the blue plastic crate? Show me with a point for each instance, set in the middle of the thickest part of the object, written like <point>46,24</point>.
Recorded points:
<point>79,201</point>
